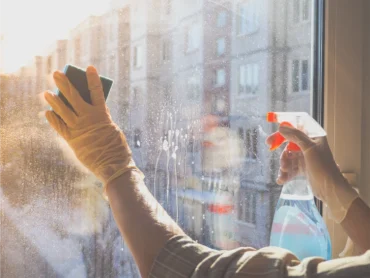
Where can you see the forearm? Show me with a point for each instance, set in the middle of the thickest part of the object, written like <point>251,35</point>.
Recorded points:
<point>143,223</point>
<point>357,224</point>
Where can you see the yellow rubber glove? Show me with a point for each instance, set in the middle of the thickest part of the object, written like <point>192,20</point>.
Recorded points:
<point>96,141</point>
<point>316,161</point>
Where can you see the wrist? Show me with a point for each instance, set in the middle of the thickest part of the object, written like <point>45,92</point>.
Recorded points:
<point>341,197</point>
<point>128,178</point>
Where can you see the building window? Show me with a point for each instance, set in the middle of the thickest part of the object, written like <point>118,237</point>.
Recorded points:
<point>138,56</point>
<point>218,105</point>
<point>220,77</point>
<point>247,17</point>
<point>221,44</point>
<point>192,38</point>
<point>221,19</point>
<point>248,79</point>
<point>300,76</point>
<point>301,10</point>
<point>165,50</point>
<point>193,87</point>
<point>250,140</point>
<point>247,207</point>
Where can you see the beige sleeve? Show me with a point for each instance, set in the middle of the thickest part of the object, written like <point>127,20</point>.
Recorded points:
<point>182,257</point>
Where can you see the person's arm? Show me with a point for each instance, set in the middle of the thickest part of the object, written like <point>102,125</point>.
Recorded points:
<point>328,184</point>
<point>102,147</point>
<point>143,223</point>
<point>357,224</point>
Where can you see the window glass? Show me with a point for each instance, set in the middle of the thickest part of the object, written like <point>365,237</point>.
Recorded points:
<point>301,10</point>
<point>248,79</point>
<point>247,17</point>
<point>295,76</point>
<point>193,37</point>
<point>138,56</point>
<point>304,75</point>
<point>221,46</point>
<point>300,75</point>
<point>193,87</point>
<point>165,50</point>
<point>192,109</point>
<point>221,19</point>
<point>220,77</point>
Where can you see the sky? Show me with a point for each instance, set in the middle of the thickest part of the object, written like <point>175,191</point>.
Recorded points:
<point>29,27</point>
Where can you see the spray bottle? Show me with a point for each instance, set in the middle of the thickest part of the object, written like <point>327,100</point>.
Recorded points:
<point>298,225</point>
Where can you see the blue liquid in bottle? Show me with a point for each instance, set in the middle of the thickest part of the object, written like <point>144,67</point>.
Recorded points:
<point>298,225</point>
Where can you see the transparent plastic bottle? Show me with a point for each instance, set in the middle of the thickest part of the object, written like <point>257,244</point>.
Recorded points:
<point>297,224</point>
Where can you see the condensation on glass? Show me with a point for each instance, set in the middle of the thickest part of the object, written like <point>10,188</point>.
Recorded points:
<point>193,82</point>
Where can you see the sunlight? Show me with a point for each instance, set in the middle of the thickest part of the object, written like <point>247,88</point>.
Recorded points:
<point>28,28</point>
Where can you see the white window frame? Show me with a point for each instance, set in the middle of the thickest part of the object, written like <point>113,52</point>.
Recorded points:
<point>251,19</point>
<point>221,44</point>
<point>248,72</point>
<point>346,97</point>
<point>138,56</point>
<point>300,75</point>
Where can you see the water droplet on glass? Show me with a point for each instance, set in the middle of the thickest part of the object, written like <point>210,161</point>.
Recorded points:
<point>165,145</point>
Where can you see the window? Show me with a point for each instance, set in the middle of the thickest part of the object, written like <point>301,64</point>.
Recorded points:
<point>218,105</point>
<point>221,46</point>
<point>194,120</point>
<point>193,87</point>
<point>221,19</point>
<point>165,50</point>
<point>299,76</point>
<point>138,56</point>
<point>192,37</point>
<point>247,17</point>
<point>250,139</point>
<point>220,77</point>
<point>248,79</point>
<point>301,10</point>
<point>247,207</point>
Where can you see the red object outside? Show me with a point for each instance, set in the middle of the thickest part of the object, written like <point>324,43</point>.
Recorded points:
<point>220,209</point>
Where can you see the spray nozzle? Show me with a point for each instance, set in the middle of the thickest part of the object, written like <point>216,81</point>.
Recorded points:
<point>300,120</point>
<point>278,139</point>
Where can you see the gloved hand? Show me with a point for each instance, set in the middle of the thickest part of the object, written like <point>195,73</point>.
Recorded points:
<point>97,142</point>
<point>316,161</point>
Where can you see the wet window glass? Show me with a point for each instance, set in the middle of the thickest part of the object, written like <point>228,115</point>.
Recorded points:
<point>193,81</point>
